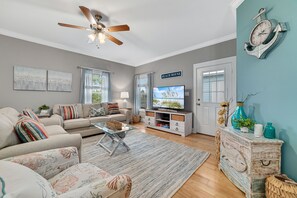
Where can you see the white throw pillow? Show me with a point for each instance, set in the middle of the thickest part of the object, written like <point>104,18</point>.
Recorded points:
<point>19,182</point>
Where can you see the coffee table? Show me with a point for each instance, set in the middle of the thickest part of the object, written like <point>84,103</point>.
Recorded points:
<point>117,136</point>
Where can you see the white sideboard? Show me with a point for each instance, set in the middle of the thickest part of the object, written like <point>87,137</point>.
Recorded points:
<point>247,160</point>
<point>174,122</point>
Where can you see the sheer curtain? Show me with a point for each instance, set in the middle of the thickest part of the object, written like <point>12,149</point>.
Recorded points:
<point>87,87</point>
<point>106,88</point>
<point>143,91</point>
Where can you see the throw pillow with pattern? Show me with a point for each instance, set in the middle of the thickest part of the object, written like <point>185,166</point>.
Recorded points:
<point>29,130</point>
<point>113,108</point>
<point>97,112</point>
<point>31,114</point>
<point>69,112</point>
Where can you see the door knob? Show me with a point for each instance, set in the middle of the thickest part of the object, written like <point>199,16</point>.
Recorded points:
<point>198,104</point>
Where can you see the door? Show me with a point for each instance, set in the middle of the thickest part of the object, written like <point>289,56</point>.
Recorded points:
<point>214,82</point>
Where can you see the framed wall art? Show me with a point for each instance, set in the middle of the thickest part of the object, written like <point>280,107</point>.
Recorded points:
<point>59,81</point>
<point>30,79</point>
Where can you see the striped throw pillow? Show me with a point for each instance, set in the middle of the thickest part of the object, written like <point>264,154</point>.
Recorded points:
<point>69,112</point>
<point>29,130</point>
<point>113,108</point>
<point>31,114</point>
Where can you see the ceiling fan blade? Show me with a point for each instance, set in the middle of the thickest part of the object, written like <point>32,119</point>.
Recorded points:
<point>88,14</point>
<point>118,28</point>
<point>73,26</point>
<point>113,39</point>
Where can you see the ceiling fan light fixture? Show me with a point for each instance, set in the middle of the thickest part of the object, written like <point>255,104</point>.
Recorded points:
<point>92,37</point>
<point>101,37</point>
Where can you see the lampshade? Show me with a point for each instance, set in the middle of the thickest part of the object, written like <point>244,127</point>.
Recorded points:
<point>101,38</point>
<point>92,37</point>
<point>124,94</point>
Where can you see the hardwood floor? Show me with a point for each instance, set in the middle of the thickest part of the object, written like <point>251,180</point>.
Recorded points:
<point>207,181</point>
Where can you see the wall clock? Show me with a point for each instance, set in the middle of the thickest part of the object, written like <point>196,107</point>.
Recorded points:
<point>264,36</point>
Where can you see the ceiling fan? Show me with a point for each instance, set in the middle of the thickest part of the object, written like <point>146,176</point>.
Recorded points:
<point>99,31</point>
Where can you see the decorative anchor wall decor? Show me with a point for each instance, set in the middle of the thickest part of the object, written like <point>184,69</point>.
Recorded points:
<point>264,36</point>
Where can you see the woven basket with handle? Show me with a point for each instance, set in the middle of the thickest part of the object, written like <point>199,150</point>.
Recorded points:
<point>280,186</point>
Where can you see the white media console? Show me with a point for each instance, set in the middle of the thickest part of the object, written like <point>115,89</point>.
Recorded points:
<point>173,122</point>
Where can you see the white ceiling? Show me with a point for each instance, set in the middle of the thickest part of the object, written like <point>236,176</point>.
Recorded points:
<point>159,28</point>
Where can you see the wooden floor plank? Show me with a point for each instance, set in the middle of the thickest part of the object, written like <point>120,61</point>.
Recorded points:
<point>208,181</point>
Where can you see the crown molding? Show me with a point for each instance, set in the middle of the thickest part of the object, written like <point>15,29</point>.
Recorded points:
<point>195,47</point>
<point>52,44</point>
<point>79,51</point>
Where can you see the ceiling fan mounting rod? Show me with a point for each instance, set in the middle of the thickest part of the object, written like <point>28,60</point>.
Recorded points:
<point>98,17</point>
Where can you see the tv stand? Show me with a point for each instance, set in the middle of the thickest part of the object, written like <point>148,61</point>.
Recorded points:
<point>173,122</point>
<point>169,110</point>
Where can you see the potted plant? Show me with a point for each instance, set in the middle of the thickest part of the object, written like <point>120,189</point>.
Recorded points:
<point>43,109</point>
<point>245,124</point>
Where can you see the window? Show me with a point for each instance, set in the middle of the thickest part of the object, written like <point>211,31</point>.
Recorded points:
<point>213,86</point>
<point>143,89</point>
<point>95,87</point>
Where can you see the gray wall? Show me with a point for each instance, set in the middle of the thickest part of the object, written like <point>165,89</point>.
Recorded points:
<point>185,63</point>
<point>18,52</point>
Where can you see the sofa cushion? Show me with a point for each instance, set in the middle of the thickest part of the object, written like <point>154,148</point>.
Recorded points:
<point>56,109</point>
<point>15,179</point>
<point>76,123</point>
<point>11,114</point>
<point>99,119</point>
<point>55,130</point>
<point>76,177</point>
<point>7,135</point>
<point>86,109</point>
<point>30,130</point>
<point>118,117</point>
<point>31,114</point>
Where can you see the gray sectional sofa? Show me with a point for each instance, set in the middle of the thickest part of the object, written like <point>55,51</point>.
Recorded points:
<point>84,124</point>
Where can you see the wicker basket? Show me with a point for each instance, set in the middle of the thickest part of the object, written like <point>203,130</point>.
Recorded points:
<point>114,125</point>
<point>136,118</point>
<point>280,186</point>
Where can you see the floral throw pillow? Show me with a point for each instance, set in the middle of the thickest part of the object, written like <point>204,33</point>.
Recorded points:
<point>97,112</point>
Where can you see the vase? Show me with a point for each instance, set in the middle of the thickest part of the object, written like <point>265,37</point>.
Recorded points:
<point>238,114</point>
<point>269,131</point>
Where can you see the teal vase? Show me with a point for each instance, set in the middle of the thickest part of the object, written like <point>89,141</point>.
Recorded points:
<point>269,131</point>
<point>239,113</point>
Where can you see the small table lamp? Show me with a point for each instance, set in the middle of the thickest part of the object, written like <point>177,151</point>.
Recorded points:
<point>125,96</point>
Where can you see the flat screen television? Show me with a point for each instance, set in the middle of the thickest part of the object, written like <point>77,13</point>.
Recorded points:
<point>169,97</point>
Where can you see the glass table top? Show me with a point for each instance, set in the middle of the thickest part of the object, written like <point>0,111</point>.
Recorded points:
<point>102,126</point>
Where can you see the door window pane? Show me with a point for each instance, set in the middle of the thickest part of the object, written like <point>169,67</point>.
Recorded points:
<point>213,86</point>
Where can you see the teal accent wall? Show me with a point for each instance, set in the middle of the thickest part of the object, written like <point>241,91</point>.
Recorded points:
<point>274,77</point>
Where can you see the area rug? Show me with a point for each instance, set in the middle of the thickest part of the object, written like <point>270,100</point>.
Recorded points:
<point>158,167</point>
